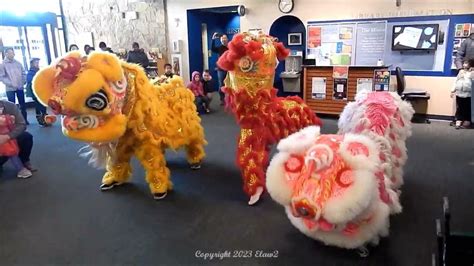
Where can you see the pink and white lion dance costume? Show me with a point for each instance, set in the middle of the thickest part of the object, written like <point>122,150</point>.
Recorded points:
<point>341,189</point>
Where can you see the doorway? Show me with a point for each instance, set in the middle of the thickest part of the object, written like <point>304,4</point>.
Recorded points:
<point>202,24</point>
<point>33,36</point>
<point>281,28</point>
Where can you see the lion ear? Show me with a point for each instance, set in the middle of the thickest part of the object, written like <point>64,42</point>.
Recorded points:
<point>43,84</point>
<point>107,64</point>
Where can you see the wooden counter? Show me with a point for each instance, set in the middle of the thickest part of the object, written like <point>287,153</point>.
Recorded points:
<point>328,105</point>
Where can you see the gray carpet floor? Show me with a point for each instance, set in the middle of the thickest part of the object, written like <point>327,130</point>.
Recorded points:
<point>59,216</point>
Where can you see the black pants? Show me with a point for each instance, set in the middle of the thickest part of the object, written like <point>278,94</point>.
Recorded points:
<point>39,108</point>
<point>20,95</point>
<point>463,109</point>
<point>25,144</point>
<point>221,74</point>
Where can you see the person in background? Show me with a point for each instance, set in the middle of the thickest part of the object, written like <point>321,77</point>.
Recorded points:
<point>201,100</point>
<point>103,47</point>
<point>463,92</point>
<point>10,147</point>
<point>169,71</point>
<point>221,74</point>
<point>465,52</point>
<point>12,74</point>
<point>73,47</point>
<point>207,85</point>
<point>87,48</point>
<point>18,132</point>
<point>137,56</point>
<point>39,108</point>
<point>90,50</point>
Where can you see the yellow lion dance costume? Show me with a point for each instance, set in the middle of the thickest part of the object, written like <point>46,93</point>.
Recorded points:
<point>112,105</point>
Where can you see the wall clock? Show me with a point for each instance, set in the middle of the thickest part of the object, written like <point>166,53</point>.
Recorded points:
<point>286,6</point>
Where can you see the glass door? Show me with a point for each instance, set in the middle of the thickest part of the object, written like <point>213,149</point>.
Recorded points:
<point>27,42</point>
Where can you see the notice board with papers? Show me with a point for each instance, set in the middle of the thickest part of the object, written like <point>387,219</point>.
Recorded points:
<point>364,43</point>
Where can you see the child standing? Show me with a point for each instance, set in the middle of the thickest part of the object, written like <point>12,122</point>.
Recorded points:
<point>202,102</point>
<point>10,148</point>
<point>463,91</point>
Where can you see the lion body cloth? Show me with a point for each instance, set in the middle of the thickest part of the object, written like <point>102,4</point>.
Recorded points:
<point>341,188</point>
<point>263,117</point>
<point>112,106</point>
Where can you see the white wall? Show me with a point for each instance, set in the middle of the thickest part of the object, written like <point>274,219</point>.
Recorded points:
<point>262,13</point>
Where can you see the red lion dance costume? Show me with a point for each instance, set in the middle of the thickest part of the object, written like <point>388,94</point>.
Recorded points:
<point>263,117</point>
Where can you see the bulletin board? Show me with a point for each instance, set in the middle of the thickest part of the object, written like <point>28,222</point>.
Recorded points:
<point>372,40</point>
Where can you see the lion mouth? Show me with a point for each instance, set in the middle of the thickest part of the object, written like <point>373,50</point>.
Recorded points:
<point>78,122</point>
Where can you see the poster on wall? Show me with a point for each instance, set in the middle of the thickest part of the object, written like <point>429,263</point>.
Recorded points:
<point>463,30</point>
<point>364,84</point>
<point>331,44</point>
<point>341,72</point>
<point>381,79</point>
<point>318,89</point>
<point>176,63</point>
<point>314,37</point>
<point>370,46</point>
<point>340,89</point>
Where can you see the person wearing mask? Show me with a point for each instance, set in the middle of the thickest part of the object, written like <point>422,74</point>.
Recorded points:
<point>12,74</point>
<point>137,56</point>
<point>207,85</point>
<point>201,100</point>
<point>169,71</point>
<point>463,92</point>
<point>73,47</point>
<point>103,47</point>
<point>39,108</point>
<point>221,74</point>
<point>18,132</point>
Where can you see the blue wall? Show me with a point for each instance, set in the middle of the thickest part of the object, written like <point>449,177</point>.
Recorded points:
<point>449,37</point>
<point>216,22</point>
<point>280,29</point>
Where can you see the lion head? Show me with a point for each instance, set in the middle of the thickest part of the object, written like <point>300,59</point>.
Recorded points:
<point>325,181</point>
<point>89,93</point>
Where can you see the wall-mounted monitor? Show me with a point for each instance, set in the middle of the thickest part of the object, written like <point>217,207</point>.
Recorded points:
<point>415,37</point>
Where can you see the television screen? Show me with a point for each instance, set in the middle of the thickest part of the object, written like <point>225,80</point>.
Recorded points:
<point>415,37</point>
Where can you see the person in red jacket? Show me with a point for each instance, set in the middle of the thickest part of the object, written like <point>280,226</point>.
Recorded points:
<point>202,101</point>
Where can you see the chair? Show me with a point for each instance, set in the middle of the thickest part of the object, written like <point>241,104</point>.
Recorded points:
<point>410,96</point>
<point>453,248</point>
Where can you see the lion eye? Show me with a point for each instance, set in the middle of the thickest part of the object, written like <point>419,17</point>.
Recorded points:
<point>97,101</point>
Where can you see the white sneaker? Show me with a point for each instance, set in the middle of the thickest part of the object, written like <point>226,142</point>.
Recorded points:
<point>24,173</point>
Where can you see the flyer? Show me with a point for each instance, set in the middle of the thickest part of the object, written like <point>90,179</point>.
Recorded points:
<point>318,89</point>
<point>340,89</point>
<point>364,84</point>
<point>381,79</point>
<point>458,30</point>
<point>314,37</point>
<point>340,72</point>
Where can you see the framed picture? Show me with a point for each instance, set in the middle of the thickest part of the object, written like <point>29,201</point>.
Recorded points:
<point>176,46</point>
<point>295,39</point>
<point>176,63</point>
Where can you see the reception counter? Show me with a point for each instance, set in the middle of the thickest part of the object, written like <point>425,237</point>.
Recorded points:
<point>328,105</point>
